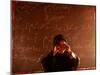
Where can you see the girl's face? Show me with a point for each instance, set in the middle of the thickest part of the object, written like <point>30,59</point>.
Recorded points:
<point>62,46</point>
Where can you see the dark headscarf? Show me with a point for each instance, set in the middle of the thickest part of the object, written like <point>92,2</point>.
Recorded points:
<point>58,38</point>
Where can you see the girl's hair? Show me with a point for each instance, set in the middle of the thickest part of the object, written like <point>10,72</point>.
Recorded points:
<point>58,38</point>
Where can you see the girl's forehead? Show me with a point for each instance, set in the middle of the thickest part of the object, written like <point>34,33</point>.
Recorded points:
<point>62,42</point>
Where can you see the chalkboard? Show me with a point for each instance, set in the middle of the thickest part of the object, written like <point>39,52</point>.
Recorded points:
<point>36,24</point>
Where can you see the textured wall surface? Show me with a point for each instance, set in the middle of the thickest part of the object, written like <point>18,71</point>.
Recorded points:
<point>35,25</point>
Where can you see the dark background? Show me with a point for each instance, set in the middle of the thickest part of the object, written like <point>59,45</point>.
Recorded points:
<point>35,25</point>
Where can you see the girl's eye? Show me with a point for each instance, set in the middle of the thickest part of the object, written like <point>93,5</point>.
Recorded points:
<point>58,47</point>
